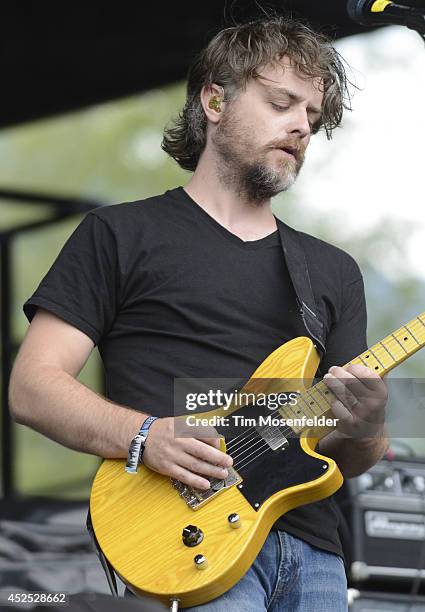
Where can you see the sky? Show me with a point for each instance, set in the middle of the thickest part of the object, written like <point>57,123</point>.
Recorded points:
<point>373,170</point>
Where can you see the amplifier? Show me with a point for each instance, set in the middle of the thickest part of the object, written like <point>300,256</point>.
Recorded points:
<point>384,602</point>
<point>388,522</point>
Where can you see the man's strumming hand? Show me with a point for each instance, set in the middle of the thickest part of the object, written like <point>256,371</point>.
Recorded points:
<point>187,459</point>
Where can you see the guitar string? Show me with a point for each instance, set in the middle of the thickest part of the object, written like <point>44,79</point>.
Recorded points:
<point>233,445</point>
<point>287,431</point>
<point>256,447</point>
<point>237,446</point>
<point>264,448</point>
<point>232,441</point>
<point>241,467</point>
<point>254,430</point>
<point>250,447</point>
<point>415,324</point>
<point>308,395</point>
<point>261,443</point>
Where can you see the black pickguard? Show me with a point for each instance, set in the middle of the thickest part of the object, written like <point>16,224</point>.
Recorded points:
<point>271,471</point>
<point>277,470</point>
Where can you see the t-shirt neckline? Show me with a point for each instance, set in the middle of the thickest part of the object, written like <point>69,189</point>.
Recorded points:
<point>269,240</point>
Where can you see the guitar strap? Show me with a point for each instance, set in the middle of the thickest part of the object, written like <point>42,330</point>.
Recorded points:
<point>298,271</point>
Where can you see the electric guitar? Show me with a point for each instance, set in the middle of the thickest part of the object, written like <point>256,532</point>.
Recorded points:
<point>173,542</point>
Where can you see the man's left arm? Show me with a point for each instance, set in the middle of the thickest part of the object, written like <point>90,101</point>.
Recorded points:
<point>360,439</point>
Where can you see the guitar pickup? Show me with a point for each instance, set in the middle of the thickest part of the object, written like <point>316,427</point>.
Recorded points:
<point>273,437</point>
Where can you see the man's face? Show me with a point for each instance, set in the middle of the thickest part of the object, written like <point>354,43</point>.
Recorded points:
<point>263,133</point>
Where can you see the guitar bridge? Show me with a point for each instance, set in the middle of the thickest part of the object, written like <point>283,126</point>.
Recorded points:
<point>195,498</point>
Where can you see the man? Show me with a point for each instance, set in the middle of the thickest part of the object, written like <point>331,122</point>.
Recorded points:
<point>194,283</point>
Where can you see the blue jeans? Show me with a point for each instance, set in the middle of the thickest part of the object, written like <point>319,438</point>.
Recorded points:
<point>288,575</point>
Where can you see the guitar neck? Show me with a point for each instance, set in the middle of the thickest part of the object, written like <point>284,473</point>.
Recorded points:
<point>381,357</point>
<point>395,348</point>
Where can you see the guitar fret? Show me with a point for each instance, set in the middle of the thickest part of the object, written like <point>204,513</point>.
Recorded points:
<point>326,392</point>
<point>378,360</point>
<point>397,340</point>
<point>389,347</point>
<point>397,349</point>
<point>288,412</point>
<point>407,340</point>
<point>318,399</point>
<point>310,404</point>
<point>381,354</point>
<point>118,506</point>
<point>412,334</point>
<point>311,401</point>
<point>388,351</point>
<point>399,345</point>
<point>312,413</point>
<point>291,412</point>
<point>294,410</point>
<point>370,352</point>
<point>382,357</point>
<point>419,328</point>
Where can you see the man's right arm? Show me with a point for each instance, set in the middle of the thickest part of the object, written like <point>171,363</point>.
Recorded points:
<point>45,395</point>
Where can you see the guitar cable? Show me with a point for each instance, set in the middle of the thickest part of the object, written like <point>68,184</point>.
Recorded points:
<point>107,567</point>
<point>109,571</point>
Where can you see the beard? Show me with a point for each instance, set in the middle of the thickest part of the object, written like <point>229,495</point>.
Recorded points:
<point>243,166</point>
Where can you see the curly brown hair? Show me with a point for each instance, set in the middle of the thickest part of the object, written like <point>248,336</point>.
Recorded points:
<point>235,55</point>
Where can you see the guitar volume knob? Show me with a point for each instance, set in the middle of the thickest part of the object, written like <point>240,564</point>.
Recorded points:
<point>200,562</point>
<point>192,535</point>
<point>234,520</point>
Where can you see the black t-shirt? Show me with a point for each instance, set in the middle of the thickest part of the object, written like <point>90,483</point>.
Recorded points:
<point>166,292</point>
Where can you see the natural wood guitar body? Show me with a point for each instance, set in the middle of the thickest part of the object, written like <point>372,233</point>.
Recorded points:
<point>138,519</point>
